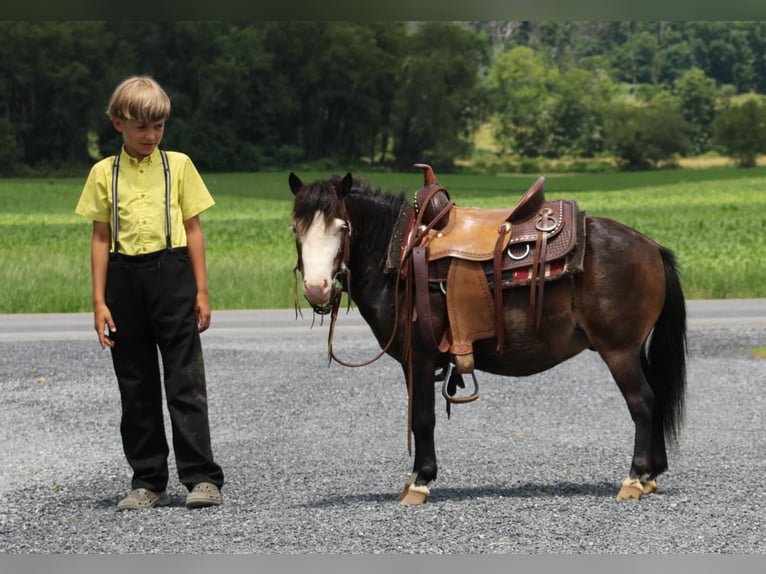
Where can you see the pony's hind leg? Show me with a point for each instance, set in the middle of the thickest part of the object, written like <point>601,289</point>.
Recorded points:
<point>659,449</point>
<point>628,373</point>
<point>634,486</point>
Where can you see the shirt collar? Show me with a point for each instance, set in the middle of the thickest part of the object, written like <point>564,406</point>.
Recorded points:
<point>149,160</point>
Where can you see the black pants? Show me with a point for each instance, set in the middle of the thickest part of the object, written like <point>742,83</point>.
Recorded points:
<point>152,298</point>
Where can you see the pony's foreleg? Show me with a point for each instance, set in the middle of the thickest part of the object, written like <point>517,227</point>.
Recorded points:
<point>424,469</point>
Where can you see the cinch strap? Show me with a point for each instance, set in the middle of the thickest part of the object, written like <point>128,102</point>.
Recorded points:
<point>115,215</point>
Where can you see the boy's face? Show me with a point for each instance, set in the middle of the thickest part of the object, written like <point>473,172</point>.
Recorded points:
<point>140,138</point>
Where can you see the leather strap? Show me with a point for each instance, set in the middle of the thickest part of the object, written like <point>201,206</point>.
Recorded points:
<point>537,282</point>
<point>502,231</point>
<point>422,303</point>
<point>541,279</point>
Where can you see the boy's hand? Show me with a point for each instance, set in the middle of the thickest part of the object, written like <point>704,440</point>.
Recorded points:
<point>202,308</point>
<point>104,325</point>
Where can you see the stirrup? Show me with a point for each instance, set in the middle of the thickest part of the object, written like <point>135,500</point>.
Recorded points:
<point>452,379</point>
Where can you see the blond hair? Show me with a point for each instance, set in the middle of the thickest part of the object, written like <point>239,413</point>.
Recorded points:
<point>139,98</point>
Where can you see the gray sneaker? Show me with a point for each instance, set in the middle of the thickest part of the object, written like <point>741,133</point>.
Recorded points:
<point>140,498</point>
<point>204,494</point>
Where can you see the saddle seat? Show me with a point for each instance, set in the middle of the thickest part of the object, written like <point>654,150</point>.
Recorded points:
<point>472,254</point>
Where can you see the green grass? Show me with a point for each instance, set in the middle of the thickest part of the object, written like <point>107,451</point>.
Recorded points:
<point>714,219</point>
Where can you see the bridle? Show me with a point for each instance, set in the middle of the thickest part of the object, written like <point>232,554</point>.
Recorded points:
<point>340,282</point>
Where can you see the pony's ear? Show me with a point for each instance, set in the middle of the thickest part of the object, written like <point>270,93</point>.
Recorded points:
<point>345,185</point>
<point>295,183</point>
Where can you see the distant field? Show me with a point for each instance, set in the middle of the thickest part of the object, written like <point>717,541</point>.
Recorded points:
<point>714,219</point>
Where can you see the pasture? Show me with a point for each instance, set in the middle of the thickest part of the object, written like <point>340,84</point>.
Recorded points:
<point>714,220</point>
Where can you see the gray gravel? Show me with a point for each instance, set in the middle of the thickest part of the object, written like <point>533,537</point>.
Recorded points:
<point>315,456</point>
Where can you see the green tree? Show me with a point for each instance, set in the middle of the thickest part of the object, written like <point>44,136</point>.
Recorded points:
<point>727,51</point>
<point>47,87</point>
<point>635,60</point>
<point>557,42</point>
<point>439,101</point>
<point>740,131</point>
<point>224,119</point>
<point>757,41</point>
<point>641,137</point>
<point>9,149</point>
<point>673,61</point>
<point>333,86</point>
<point>576,122</point>
<point>520,86</point>
<point>363,60</point>
<point>698,96</point>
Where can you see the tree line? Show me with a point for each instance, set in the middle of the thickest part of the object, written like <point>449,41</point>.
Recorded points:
<point>256,95</point>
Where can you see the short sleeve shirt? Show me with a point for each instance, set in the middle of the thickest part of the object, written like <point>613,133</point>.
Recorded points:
<point>141,199</point>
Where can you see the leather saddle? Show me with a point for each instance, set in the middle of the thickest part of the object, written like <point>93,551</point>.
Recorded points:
<point>472,254</point>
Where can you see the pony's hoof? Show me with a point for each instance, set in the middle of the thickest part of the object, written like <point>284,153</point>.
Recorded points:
<point>413,493</point>
<point>631,489</point>
<point>650,486</point>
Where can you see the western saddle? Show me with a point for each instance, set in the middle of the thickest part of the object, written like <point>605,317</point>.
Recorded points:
<point>473,254</point>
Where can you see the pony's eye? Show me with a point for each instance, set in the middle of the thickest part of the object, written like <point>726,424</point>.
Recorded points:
<point>344,228</point>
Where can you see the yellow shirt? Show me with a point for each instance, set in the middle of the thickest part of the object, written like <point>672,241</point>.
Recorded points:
<point>141,199</point>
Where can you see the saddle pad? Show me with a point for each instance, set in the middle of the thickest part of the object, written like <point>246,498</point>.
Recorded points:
<point>399,235</point>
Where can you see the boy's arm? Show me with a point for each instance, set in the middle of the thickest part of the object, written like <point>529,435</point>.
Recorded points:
<point>195,241</point>
<point>100,244</point>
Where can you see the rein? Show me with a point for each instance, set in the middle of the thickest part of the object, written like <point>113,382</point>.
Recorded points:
<point>342,282</point>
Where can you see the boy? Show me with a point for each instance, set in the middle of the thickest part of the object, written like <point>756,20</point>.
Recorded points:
<point>150,292</point>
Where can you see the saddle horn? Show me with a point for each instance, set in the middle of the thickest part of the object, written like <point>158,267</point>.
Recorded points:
<point>432,201</point>
<point>428,174</point>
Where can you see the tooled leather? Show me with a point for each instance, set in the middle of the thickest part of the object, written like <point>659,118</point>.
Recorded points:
<point>560,242</point>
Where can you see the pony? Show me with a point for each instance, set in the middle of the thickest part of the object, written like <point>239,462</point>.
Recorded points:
<point>625,303</point>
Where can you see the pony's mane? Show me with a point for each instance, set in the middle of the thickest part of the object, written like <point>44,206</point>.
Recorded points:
<point>374,212</point>
<point>373,202</point>
<point>362,190</point>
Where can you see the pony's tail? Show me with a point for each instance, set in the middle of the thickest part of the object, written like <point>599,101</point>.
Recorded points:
<point>666,360</point>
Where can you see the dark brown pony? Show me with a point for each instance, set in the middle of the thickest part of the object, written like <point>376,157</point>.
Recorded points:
<point>626,304</point>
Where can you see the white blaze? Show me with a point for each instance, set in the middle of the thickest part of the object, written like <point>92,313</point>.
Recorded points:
<point>319,248</point>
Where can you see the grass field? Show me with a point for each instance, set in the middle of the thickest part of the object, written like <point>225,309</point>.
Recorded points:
<point>714,219</point>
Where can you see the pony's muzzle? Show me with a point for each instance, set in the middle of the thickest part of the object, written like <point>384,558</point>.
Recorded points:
<point>317,292</point>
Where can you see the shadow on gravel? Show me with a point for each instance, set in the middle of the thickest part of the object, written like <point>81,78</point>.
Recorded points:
<point>529,490</point>
<point>526,490</point>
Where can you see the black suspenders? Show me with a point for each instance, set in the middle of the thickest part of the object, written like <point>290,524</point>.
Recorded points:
<point>115,214</point>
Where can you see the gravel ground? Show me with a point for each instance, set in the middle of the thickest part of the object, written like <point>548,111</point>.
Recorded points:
<point>315,457</point>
